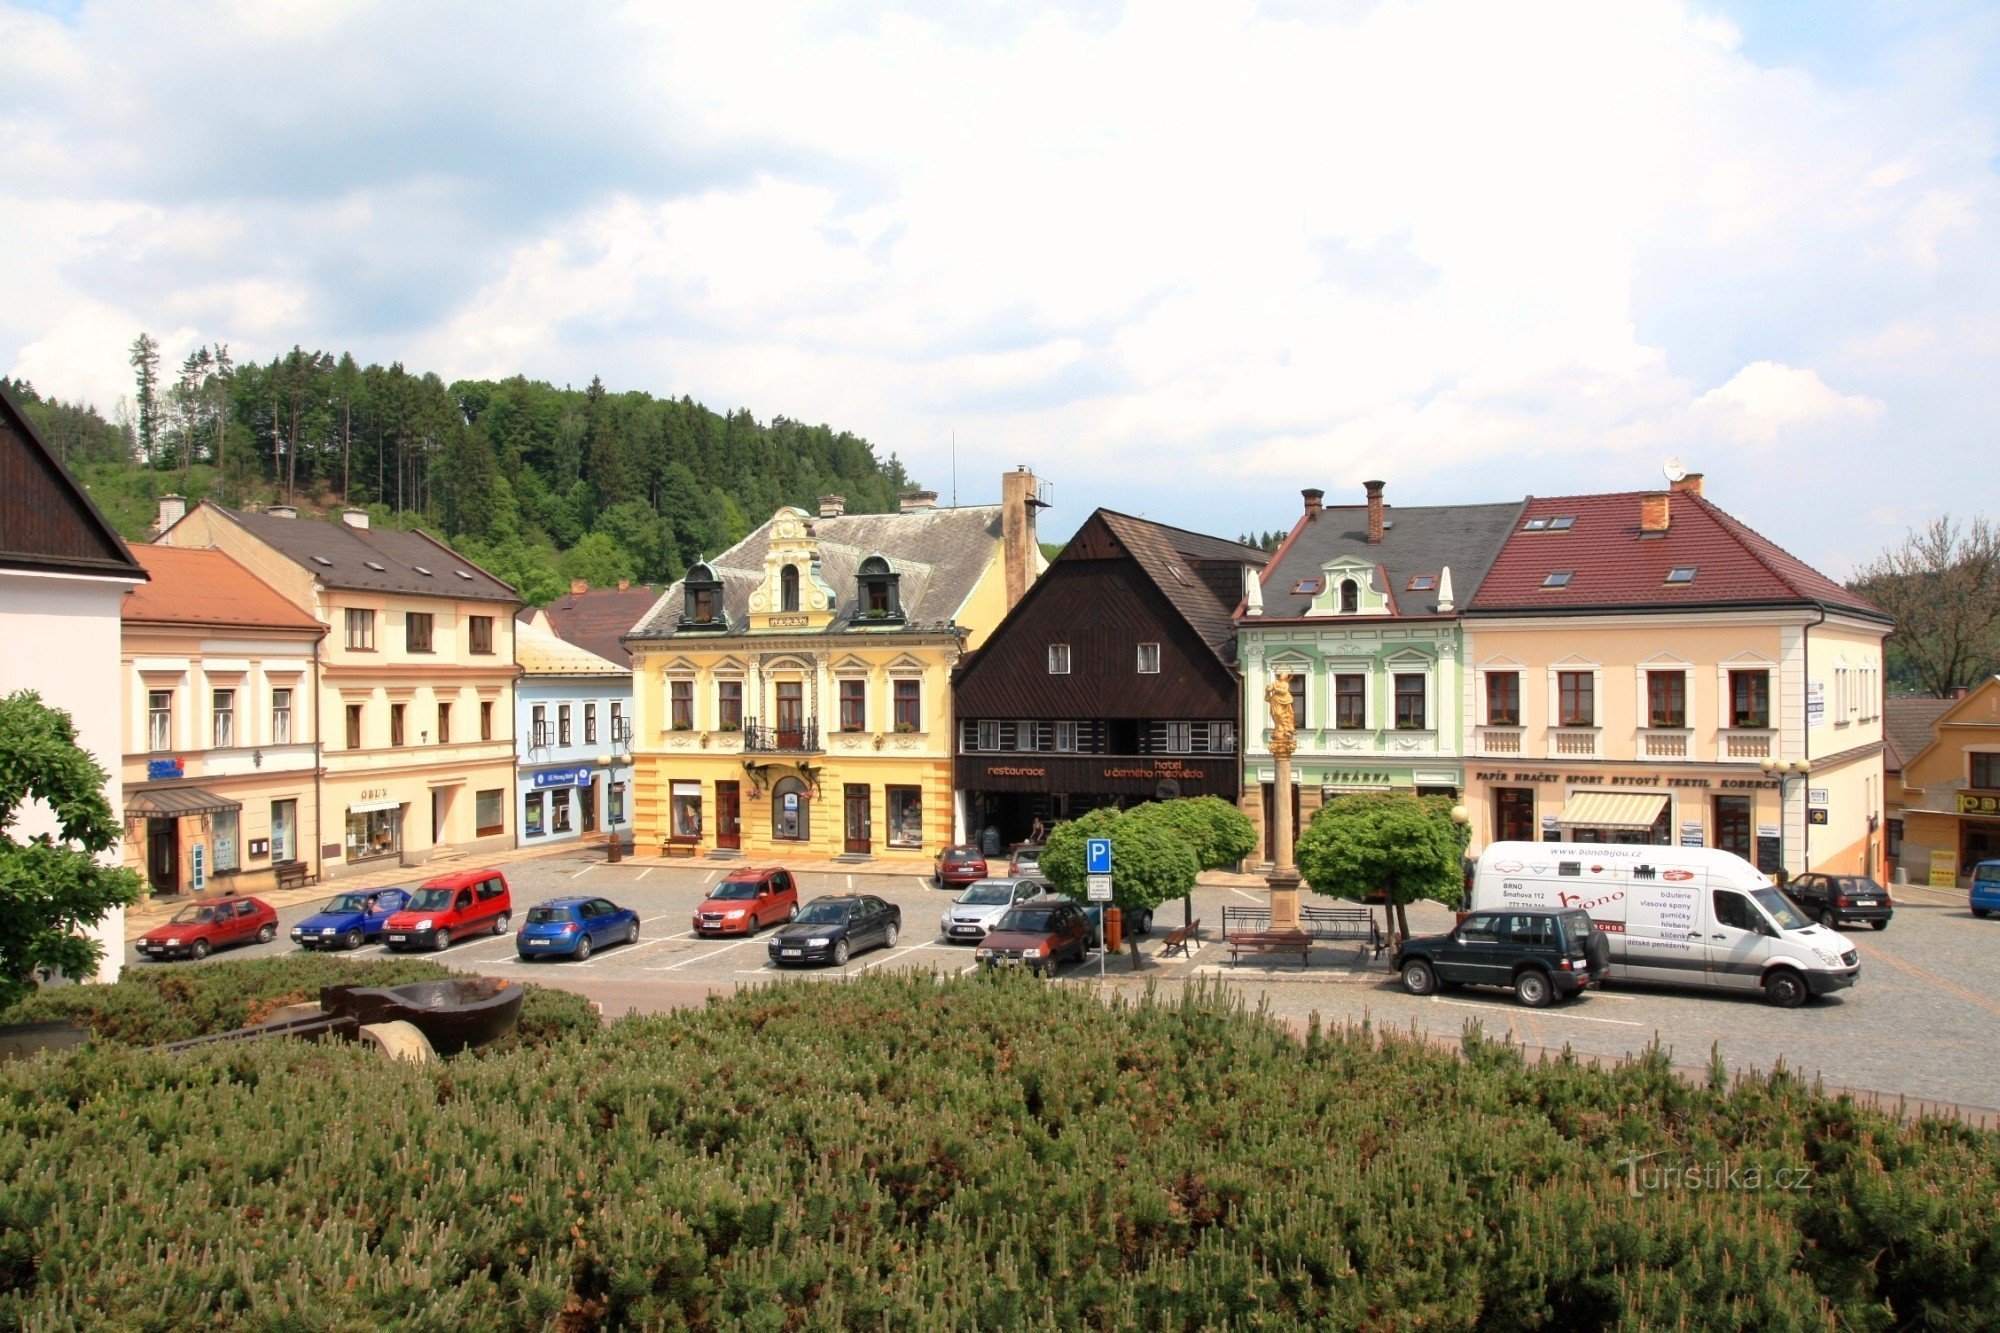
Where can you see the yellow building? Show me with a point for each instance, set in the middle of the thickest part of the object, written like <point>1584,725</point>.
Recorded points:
<point>1643,668</point>
<point>416,697</point>
<point>792,696</point>
<point>1950,790</point>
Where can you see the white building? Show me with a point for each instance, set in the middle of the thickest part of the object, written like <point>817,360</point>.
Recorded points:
<point>573,730</point>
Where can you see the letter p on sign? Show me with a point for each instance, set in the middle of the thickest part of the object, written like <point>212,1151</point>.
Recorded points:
<point>1097,856</point>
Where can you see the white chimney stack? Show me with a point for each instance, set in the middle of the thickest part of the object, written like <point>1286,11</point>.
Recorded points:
<point>1444,590</point>
<point>1253,591</point>
<point>282,511</point>
<point>355,518</point>
<point>172,509</point>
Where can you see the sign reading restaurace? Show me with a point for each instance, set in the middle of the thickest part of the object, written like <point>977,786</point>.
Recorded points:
<point>578,776</point>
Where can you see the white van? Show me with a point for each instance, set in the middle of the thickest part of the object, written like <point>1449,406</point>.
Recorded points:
<point>1679,916</point>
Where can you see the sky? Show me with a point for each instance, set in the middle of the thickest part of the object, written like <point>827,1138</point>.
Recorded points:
<point>1181,260</point>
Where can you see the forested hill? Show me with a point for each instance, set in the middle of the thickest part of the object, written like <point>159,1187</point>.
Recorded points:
<point>539,484</point>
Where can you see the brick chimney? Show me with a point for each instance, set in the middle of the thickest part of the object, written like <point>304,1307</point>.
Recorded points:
<point>1020,497</point>
<point>1654,514</point>
<point>282,511</point>
<point>355,518</point>
<point>832,506</point>
<point>1313,496</point>
<point>1691,483</point>
<point>1375,507</point>
<point>172,509</point>
<point>578,587</point>
<point>623,584</point>
<point>914,502</point>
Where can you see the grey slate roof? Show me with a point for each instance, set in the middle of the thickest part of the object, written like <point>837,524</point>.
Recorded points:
<point>940,554</point>
<point>338,556</point>
<point>1419,539</point>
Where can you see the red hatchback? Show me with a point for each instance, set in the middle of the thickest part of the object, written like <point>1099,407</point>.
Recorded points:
<point>211,923</point>
<point>449,907</point>
<point>747,901</point>
<point>960,866</point>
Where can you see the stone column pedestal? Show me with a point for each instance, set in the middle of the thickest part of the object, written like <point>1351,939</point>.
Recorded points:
<point>1284,898</point>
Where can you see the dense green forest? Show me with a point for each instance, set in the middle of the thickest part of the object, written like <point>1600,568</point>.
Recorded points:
<point>538,484</point>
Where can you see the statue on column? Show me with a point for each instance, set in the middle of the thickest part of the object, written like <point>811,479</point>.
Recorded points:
<point>1284,722</point>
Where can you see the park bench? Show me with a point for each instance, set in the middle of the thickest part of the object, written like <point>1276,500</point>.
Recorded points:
<point>1177,942</point>
<point>1343,923</point>
<point>293,874</point>
<point>1271,941</point>
<point>680,844</point>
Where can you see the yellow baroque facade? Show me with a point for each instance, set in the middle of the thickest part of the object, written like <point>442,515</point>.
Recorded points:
<point>792,695</point>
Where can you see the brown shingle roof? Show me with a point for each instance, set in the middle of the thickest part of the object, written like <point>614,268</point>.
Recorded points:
<point>1169,557</point>
<point>599,618</point>
<point>1908,725</point>
<point>206,587</point>
<point>340,556</point>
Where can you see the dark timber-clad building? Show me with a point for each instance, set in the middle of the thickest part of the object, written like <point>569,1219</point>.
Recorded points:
<point>1113,682</point>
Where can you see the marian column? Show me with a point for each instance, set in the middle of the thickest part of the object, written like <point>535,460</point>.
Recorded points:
<point>1284,877</point>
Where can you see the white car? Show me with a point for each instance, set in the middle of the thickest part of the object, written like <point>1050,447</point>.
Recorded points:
<point>984,902</point>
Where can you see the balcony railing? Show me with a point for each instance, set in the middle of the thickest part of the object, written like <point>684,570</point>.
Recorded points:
<point>1664,743</point>
<point>1499,740</point>
<point>796,738</point>
<point>1573,742</point>
<point>1747,744</point>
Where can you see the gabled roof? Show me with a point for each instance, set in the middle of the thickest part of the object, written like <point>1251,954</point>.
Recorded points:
<point>1613,566</point>
<point>940,554</point>
<point>199,586</point>
<point>47,521</point>
<point>598,618</point>
<point>540,653</point>
<point>1419,539</point>
<point>1909,724</point>
<point>341,556</point>
<point>1201,575</point>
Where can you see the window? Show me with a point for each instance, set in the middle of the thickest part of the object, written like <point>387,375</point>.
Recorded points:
<point>618,736</point>
<point>281,717</point>
<point>396,723</point>
<point>1421,583</point>
<point>159,720</point>
<point>222,836</point>
<point>361,630</point>
<point>1350,597</point>
<point>1750,699</point>
<point>1563,523</point>
<point>354,726</point>
<point>559,811</point>
<point>1734,910</point>
<point>444,724</point>
<point>906,816</point>
<point>1985,771</point>
<point>1307,587</point>
<point>704,605</point>
<point>538,725</point>
<point>485,719</point>
<point>1066,737</point>
<point>1149,659</point>
<point>590,723</point>
<point>788,588</point>
<point>532,818</point>
<point>1410,702</point>
<point>1576,699</point>
<point>729,705</point>
<point>1058,659</point>
<point>853,705</point>
<point>1295,683</point>
<point>1179,737</point>
<point>680,700</point>
<point>490,811</point>
<point>615,803</point>
<point>1666,698</point>
<point>686,801</point>
<point>284,830</point>
<point>480,629</point>
<point>989,736</point>
<point>562,724</point>
<point>1481,928</point>
<point>1681,574</point>
<point>417,631</point>
<point>224,711</point>
<point>875,597</point>
<point>909,705</point>
<point>1222,738</point>
<point>1503,698</point>
<point>1557,579</point>
<point>1535,525</point>
<point>1350,702</point>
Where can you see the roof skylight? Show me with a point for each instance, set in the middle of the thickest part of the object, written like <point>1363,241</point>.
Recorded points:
<point>1422,583</point>
<point>1307,588</point>
<point>462,574</point>
<point>421,570</point>
<point>378,568</point>
<point>1535,525</point>
<point>322,560</point>
<point>1562,523</point>
<point>1682,574</point>
<point>1557,579</point>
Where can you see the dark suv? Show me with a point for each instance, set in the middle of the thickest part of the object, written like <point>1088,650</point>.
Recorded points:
<point>1543,955</point>
<point>1837,898</point>
<point>1037,935</point>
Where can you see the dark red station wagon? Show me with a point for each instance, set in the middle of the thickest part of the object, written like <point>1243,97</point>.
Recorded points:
<point>211,923</point>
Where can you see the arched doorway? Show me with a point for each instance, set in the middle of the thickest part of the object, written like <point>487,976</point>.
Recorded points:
<point>791,811</point>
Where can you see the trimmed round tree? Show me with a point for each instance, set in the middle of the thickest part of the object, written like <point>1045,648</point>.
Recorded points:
<point>1402,847</point>
<point>1217,832</point>
<point>1151,860</point>
<point>51,888</point>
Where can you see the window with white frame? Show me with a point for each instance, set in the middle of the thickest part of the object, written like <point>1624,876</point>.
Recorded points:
<point>159,720</point>
<point>989,735</point>
<point>1222,737</point>
<point>1149,659</point>
<point>1410,713</point>
<point>1179,738</point>
<point>1066,737</point>
<point>281,717</point>
<point>224,712</point>
<point>1058,659</point>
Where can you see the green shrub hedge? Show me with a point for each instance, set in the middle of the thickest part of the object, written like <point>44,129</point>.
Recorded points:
<point>910,1152</point>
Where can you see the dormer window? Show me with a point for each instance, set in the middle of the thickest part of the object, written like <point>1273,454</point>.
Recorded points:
<point>788,588</point>
<point>701,606</point>
<point>878,592</point>
<point>1350,597</point>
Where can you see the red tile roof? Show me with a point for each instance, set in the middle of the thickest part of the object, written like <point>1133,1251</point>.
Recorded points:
<point>1614,566</point>
<point>201,586</point>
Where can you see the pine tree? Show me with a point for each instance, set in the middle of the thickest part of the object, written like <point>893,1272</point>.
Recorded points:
<point>146,364</point>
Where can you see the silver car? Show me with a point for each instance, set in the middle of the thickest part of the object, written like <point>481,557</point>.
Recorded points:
<point>984,902</point>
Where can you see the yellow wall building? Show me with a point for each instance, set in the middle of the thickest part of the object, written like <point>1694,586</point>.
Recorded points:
<point>1642,668</point>
<point>792,695</point>
<point>1950,792</point>
<point>416,698</point>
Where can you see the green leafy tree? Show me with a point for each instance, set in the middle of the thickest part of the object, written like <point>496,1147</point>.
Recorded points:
<point>52,887</point>
<point>1151,859</point>
<point>598,561</point>
<point>1401,847</point>
<point>1220,834</point>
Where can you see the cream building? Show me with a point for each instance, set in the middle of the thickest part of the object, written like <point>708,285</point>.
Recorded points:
<point>416,684</point>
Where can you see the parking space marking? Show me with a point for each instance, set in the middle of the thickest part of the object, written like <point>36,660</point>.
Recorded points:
<point>585,871</point>
<point>1511,1015</point>
<point>1931,978</point>
<point>700,957</point>
<point>883,962</point>
<point>1239,893</point>
<point>643,873</point>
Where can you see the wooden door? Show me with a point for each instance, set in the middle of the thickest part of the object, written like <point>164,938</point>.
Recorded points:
<point>858,830</point>
<point>1514,814</point>
<point>728,815</point>
<point>163,854</point>
<point>587,796</point>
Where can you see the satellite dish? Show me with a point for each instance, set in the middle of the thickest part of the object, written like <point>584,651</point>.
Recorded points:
<point>1675,469</point>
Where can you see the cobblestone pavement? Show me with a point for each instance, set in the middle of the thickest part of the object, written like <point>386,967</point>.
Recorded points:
<point>1923,1023</point>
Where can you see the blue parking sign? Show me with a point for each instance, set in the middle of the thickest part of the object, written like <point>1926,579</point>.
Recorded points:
<point>1097,856</point>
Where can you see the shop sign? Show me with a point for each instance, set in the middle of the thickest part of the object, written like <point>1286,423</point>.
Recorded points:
<point>1815,704</point>
<point>1816,796</point>
<point>1650,780</point>
<point>578,776</point>
<point>1978,803</point>
<point>1944,868</point>
<point>372,794</point>
<point>160,769</point>
<point>1767,830</point>
<point>1691,833</point>
<point>1816,815</point>
<point>1015,771</point>
<point>1159,768</point>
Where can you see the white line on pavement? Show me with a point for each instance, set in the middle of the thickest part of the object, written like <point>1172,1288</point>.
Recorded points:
<point>881,962</point>
<point>647,871</point>
<point>699,958</point>
<point>1239,893</point>
<point>1541,1013</point>
<point>585,871</point>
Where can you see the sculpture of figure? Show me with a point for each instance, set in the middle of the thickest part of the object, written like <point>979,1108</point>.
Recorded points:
<point>1279,696</point>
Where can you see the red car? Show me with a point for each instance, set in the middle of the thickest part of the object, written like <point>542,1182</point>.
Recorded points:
<point>747,901</point>
<point>211,923</point>
<point>960,866</point>
<point>445,908</point>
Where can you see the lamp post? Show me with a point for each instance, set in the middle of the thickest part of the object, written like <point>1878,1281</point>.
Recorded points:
<point>1785,771</point>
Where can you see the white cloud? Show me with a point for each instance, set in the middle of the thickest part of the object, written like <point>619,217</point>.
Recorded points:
<point>1764,400</point>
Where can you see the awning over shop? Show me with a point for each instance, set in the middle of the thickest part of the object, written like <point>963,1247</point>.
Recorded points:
<point>1612,809</point>
<point>370,807</point>
<point>173,802</point>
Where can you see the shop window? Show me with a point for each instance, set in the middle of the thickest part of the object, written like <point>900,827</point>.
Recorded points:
<point>159,720</point>
<point>1576,699</point>
<point>532,816</point>
<point>1750,699</point>
<point>559,821</point>
<point>222,832</point>
<point>909,705</point>
<point>374,833</point>
<point>1503,698</point>
<point>224,712</point>
<point>687,809</point>
<point>1666,699</point>
<point>284,830</point>
<point>360,630</point>
<point>490,811</point>
<point>1350,702</point>
<point>417,631</point>
<point>480,630</point>
<point>1410,702</point>
<point>281,717</point>
<point>906,816</point>
<point>729,705</point>
<point>853,705</point>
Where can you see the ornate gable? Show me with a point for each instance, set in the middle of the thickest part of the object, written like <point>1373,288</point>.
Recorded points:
<point>793,595</point>
<point>1351,586</point>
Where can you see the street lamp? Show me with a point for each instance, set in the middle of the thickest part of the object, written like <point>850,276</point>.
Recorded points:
<point>1785,771</point>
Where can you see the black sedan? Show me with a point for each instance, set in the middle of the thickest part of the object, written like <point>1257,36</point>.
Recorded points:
<point>834,928</point>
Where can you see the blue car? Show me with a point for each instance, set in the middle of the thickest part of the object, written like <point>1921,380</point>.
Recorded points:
<point>573,927</point>
<point>347,920</point>
<point>1986,888</point>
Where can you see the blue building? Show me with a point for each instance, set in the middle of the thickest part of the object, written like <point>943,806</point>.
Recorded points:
<point>573,729</point>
